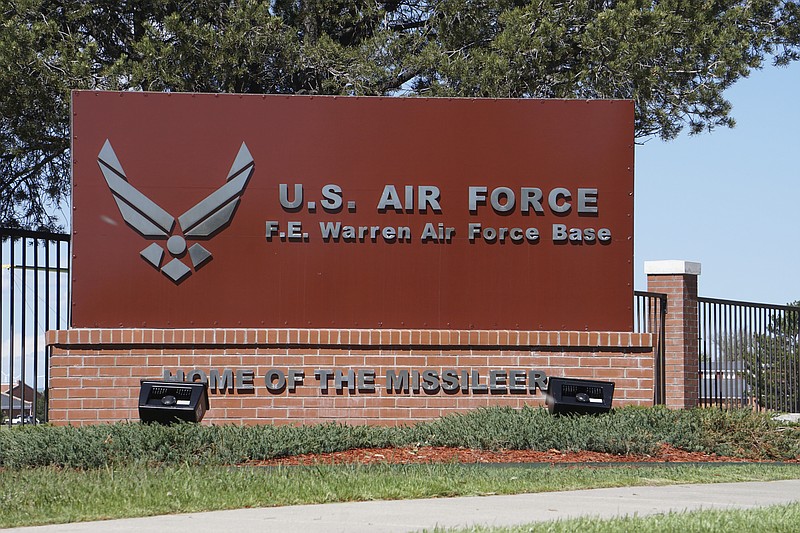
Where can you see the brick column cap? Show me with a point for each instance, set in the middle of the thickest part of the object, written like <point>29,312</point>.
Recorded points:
<point>672,266</point>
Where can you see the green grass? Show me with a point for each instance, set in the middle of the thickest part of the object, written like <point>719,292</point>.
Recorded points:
<point>48,495</point>
<point>774,519</point>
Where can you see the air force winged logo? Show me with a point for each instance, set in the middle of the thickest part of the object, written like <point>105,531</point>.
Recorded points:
<point>199,222</point>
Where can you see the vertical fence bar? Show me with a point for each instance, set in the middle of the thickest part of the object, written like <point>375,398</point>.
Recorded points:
<point>779,364</point>
<point>3,241</point>
<point>46,384</point>
<point>707,343</point>
<point>762,390</point>
<point>784,361</point>
<point>58,288</point>
<point>795,360</point>
<point>23,335</point>
<point>3,266</point>
<point>787,365</point>
<point>36,323</point>
<point>11,332</point>
<point>67,281</point>
<point>662,346</point>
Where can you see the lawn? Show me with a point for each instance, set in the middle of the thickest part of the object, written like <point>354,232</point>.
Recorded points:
<point>50,495</point>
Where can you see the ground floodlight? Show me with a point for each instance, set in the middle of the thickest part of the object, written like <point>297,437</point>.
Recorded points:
<point>578,396</point>
<point>167,402</point>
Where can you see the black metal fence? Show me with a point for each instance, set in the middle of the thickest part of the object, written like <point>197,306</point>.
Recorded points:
<point>35,298</point>
<point>749,355</point>
<point>649,311</point>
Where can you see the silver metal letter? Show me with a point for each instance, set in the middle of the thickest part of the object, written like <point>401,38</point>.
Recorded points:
<point>552,200</point>
<point>397,383</point>
<point>537,378</point>
<point>449,380</point>
<point>296,378</point>
<point>559,232</point>
<point>324,377</point>
<point>587,200</point>
<point>495,199</point>
<point>274,380</point>
<point>497,381</point>
<point>476,194</point>
<point>244,379</point>
<point>430,381</point>
<point>516,380</point>
<point>531,197</point>
<point>221,382</point>
<point>283,189</point>
<point>429,196</point>
<point>366,380</point>
<point>331,197</point>
<point>390,199</point>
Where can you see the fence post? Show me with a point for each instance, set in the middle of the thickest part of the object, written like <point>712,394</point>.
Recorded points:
<point>678,280</point>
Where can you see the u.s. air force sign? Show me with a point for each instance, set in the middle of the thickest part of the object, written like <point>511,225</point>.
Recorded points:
<point>271,211</point>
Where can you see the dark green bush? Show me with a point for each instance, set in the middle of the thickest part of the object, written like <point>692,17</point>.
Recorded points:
<point>743,433</point>
<point>536,429</point>
<point>624,431</point>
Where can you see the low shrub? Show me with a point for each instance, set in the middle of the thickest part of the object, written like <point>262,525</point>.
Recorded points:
<point>742,433</point>
<point>623,431</point>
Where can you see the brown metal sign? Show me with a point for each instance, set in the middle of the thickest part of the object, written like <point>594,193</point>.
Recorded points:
<point>196,210</point>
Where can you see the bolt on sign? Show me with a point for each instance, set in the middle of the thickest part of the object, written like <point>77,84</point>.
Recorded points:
<point>198,210</point>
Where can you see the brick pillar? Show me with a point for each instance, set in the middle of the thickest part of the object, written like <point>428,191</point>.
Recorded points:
<point>678,280</point>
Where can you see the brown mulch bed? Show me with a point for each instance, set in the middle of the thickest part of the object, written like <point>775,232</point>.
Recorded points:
<point>437,454</point>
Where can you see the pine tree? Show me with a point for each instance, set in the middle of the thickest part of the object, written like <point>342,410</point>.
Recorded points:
<point>674,58</point>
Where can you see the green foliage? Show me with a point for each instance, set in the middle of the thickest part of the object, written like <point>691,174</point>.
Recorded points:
<point>624,431</point>
<point>125,443</point>
<point>742,433</point>
<point>536,429</point>
<point>674,58</point>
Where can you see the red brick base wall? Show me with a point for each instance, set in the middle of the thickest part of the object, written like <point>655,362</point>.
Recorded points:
<point>95,373</point>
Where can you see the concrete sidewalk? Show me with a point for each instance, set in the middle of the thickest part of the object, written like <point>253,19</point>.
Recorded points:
<point>414,515</point>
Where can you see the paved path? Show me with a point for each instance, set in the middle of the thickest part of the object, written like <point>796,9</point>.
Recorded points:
<point>414,515</point>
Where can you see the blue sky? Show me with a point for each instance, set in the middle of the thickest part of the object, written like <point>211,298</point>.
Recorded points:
<point>729,199</point>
